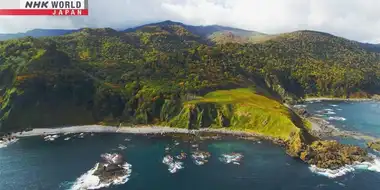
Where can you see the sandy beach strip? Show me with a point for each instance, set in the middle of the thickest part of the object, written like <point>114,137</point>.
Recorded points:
<point>126,130</point>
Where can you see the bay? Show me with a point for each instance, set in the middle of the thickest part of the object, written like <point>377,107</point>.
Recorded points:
<point>34,164</point>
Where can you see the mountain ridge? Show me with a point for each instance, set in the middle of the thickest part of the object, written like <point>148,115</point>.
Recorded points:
<point>215,33</point>
<point>128,76</point>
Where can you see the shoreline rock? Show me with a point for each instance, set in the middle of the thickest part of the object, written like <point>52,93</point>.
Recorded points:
<point>295,147</point>
<point>328,154</point>
<point>333,155</point>
<point>111,169</point>
<point>375,145</point>
<point>322,128</point>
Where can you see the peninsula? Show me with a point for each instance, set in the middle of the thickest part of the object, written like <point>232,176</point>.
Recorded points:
<point>189,77</point>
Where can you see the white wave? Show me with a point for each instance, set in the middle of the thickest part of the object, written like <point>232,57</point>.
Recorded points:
<point>371,166</point>
<point>337,118</point>
<point>122,147</point>
<point>328,109</point>
<point>51,137</point>
<point>175,166</point>
<point>200,158</point>
<point>81,135</point>
<point>4,144</point>
<point>339,109</point>
<point>300,106</point>
<point>231,158</point>
<point>332,173</point>
<point>199,162</point>
<point>167,160</point>
<point>330,113</point>
<point>181,156</point>
<point>333,105</point>
<point>90,181</point>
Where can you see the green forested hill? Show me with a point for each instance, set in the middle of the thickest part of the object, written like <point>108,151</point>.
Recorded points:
<point>166,74</point>
<point>214,33</point>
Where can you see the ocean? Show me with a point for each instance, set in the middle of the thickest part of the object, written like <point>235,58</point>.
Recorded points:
<point>35,164</point>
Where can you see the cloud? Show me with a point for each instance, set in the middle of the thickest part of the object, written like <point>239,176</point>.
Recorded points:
<point>353,19</point>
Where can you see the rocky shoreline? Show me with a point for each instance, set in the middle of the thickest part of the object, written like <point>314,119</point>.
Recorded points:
<point>338,99</point>
<point>319,152</point>
<point>324,154</point>
<point>375,145</point>
<point>322,128</point>
<point>330,154</point>
<point>148,130</point>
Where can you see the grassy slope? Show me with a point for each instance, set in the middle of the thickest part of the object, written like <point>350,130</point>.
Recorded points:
<point>245,110</point>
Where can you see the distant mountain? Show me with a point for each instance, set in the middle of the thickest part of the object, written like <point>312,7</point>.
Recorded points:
<point>371,47</point>
<point>215,33</point>
<point>37,33</point>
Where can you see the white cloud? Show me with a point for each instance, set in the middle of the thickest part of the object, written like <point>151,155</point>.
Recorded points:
<point>353,19</point>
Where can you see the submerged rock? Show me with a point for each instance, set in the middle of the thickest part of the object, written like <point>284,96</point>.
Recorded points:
<point>200,157</point>
<point>173,166</point>
<point>375,145</point>
<point>333,155</point>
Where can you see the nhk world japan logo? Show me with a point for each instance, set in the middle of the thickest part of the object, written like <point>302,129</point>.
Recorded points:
<point>44,7</point>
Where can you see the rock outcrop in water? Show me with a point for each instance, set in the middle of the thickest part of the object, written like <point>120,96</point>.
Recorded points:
<point>333,155</point>
<point>111,169</point>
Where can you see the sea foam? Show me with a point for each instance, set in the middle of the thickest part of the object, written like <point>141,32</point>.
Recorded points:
<point>337,118</point>
<point>90,181</point>
<point>371,166</point>
<point>4,144</point>
<point>300,106</point>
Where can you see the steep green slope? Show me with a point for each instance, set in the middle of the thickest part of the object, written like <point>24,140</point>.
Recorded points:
<point>168,75</point>
<point>155,73</point>
<point>239,109</point>
<point>308,63</point>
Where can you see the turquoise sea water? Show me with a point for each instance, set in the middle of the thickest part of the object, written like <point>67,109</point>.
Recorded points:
<point>34,164</point>
<point>363,117</point>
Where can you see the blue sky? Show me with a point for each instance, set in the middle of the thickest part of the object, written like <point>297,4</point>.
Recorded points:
<point>353,19</point>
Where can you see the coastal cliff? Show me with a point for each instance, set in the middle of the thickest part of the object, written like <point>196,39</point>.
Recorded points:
<point>165,74</point>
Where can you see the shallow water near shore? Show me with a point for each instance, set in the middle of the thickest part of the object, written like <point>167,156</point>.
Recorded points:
<point>32,163</point>
<point>360,117</point>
